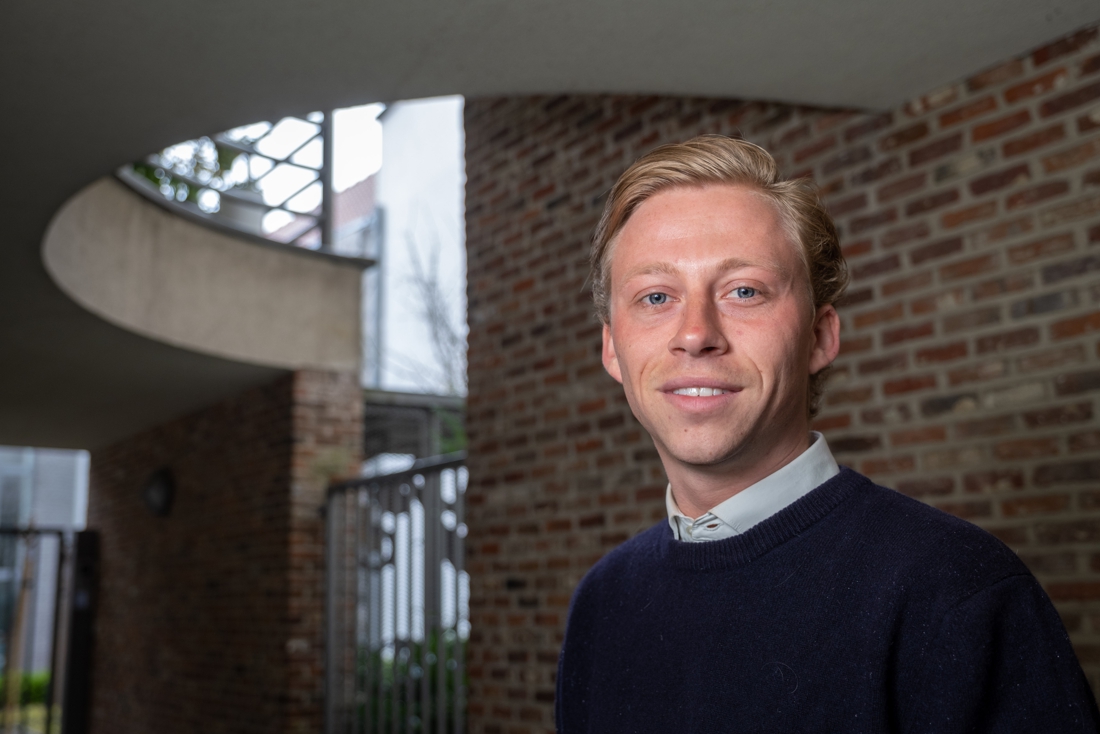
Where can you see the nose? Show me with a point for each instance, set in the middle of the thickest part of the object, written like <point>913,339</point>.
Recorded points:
<point>700,330</point>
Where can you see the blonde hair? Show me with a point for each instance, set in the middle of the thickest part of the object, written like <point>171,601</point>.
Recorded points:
<point>716,159</point>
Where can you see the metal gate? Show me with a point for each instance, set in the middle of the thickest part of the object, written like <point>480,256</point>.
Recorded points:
<point>35,586</point>
<point>397,606</point>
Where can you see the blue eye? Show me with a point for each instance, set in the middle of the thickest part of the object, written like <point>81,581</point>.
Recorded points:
<point>656,299</point>
<point>744,292</point>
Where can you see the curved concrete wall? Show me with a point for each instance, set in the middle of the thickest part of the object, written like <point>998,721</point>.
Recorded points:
<point>141,267</point>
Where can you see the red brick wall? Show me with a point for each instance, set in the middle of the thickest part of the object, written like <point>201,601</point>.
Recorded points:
<point>211,619</point>
<point>970,371</point>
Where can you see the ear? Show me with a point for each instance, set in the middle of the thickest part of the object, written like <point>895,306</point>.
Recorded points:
<point>610,361</point>
<point>826,344</point>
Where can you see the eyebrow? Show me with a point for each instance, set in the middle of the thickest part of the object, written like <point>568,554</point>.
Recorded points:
<point>730,263</point>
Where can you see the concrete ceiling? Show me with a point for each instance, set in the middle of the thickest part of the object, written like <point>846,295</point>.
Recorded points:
<point>88,86</point>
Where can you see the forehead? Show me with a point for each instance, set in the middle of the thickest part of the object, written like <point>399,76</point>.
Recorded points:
<point>685,224</point>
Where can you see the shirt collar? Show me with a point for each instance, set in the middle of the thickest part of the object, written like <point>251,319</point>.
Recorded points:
<point>757,502</point>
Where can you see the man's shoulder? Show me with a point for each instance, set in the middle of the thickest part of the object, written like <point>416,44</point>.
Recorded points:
<point>637,556</point>
<point>910,534</point>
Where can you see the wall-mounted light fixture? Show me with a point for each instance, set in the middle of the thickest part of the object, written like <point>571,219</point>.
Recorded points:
<point>158,492</point>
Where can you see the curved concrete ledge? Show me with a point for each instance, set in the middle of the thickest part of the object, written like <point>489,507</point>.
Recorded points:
<point>142,268</point>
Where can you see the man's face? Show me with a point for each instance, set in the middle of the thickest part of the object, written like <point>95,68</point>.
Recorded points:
<point>712,332</point>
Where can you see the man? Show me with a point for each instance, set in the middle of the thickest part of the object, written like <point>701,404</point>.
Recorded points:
<point>783,594</point>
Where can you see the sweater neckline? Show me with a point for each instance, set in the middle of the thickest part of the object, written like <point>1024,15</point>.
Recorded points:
<point>784,525</point>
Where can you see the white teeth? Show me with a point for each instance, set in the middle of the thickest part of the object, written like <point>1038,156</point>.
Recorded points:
<point>700,392</point>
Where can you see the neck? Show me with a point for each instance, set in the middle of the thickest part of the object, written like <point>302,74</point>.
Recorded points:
<point>697,488</point>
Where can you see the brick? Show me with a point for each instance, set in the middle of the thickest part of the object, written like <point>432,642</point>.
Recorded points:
<point>1089,122</point>
<point>1065,533</point>
<point>878,171</point>
<point>931,202</point>
<point>932,101</point>
<point>855,249</point>
<point>854,444</point>
<point>907,333</point>
<point>944,353</point>
<point>1088,441</point>
<point>891,362</point>
<point>876,267</point>
<point>928,434</point>
<point>966,164</point>
<point>862,224</point>
<point>899,413</point>
<point>1076,326</point>
<point>1037,85</point>
<point>933,487</point>
<point>867,126</point>
<point>969,214</point>
<point>1027,392</point>
<point>854,345</point>
<point>889,465</point>
<point>995,426</point>
<point>1015,339</point>
<point>972,319</point>
<point>949,404</point>
<point>903,137</point>
<point>1036,194</point>
<point>1067,472</point>
<point>935,149</point>
<point>852,395</point>
<point>846,159</point>
<point>848,205</point>
<point>1026,448</point>
<point>901,187</point>
<point>878,316</point>
<point>967,510</point>
<point>1070,100</point>
<point>815,149</point>
<point>901,235</point>
<point>1090,65</point>
<point>1000,286</point>
<point>1061,415</point>
<point>1072,157</point>
<point>1073,591</point>
<point>1039,249</point>
<point>1046,303</point>
<point>942,301</point>
<point>936,250</point>
<point>1063,46</point>
<point>968,111</point>
<point>1000,126</point>
<point>1004,229</point>
<point>998,480</point>
<point>1087,207</point>
<point>1071,268</point>
<point>1034,141</point>
<point>908,384</point>
<point>967,268</point>
<point>1012,176</point>
<point>832,422</point>
<point>997,75</point>
<point>1050,564</point>
<point>908,283</point>
<point>1035,505</point>
<point>981,372</point>
<point>856,297</point>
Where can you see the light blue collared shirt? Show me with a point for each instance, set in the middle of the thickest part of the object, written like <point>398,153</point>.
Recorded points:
<point>757,502</point>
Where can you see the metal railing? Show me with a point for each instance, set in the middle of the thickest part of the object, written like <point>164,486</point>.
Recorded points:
<point>268,182</point>
<point>397,601</point>
<point>35,588</point>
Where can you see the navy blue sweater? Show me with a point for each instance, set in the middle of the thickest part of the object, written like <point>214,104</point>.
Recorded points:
<point>855,609</point>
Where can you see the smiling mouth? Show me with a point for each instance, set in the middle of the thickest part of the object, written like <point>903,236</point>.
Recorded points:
<point>699,392</point>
